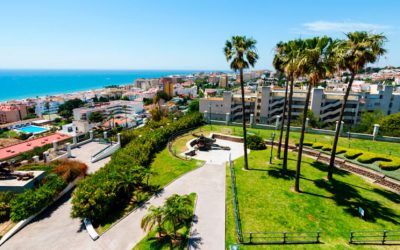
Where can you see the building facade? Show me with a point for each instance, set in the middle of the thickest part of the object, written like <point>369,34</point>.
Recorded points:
<point>12,112</point>
<point>109,109</point>
<point>267,103</point>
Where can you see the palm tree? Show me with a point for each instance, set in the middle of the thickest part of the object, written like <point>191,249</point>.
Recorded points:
<point>315,63</point>
<point>353,54</point>
<point>278,64</point>
<point>177,209</point>
<point>153,219</point>
<point>241,53</point>
<point>289,56</point>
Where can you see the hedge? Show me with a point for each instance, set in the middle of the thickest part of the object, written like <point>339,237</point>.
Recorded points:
<point>368,157</point>
<point>390,166</point>
<point>317,145</point>
<point>32,201</point>
<point>352,154</point>
<point>98,195</point>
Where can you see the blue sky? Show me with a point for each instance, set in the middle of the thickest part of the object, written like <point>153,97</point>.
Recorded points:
<point>175,34</point>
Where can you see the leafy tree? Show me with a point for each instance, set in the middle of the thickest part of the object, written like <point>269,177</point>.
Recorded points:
<point>65,109</point>
<point>390,125</point>
<point>241,53</point>
<point>96,117</point>
<point>367,121</point>
<point>194,106</point>
<point>359,49</point>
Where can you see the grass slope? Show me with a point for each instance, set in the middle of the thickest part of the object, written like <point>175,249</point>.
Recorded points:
<point>267,203</point>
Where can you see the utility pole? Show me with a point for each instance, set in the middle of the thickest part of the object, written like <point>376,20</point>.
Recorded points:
<point>272,147</point>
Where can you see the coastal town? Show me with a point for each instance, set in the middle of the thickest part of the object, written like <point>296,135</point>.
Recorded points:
<point>203,125</point>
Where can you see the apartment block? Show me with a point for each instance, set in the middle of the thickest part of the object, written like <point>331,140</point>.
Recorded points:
<point>12,112</point>
<point>267,103</point>
<point>109,109</point>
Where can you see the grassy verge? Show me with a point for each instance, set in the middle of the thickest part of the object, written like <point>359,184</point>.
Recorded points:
<point>267,203</point>
<point>151,242</point>
<point>166,168</point>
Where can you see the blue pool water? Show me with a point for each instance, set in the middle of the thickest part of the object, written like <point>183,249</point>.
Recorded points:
<point>32,129</point>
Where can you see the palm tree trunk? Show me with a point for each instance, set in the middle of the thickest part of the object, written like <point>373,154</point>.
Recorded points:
<point>289,118</point>
<point>303,130</point>
<point>283,120</point>
<point>337,133</point>
<point>246,166</point>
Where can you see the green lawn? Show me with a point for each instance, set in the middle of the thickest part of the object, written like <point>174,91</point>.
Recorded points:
<point>150,242</point>
<point>267,203</point>
<point>367,145</point>
<point>166,168</point>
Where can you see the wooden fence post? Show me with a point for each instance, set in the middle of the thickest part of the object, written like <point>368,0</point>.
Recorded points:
<point>318,236</point>
<point>284,237</point>
<point>351,237</point>
<point>251,237</point>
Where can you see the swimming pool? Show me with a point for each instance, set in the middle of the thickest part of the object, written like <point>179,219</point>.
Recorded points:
<point>32,129</point>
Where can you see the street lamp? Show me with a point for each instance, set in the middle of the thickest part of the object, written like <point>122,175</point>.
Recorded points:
<point>272,147</point>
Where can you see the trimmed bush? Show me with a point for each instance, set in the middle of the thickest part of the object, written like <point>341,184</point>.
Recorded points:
<point>98,195</point>
<point>307,144</point>
<point>32,201</point>
<point>255,142</point>
<point>352,154</point>
<point>390,166</point>
<point>317,145</point>
<point>372,157</point>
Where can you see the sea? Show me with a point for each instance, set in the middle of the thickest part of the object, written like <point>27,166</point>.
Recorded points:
<point>21,84</point>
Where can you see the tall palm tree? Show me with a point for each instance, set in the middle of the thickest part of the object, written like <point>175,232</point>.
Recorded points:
<point>315,63</point>
<point>278,64</point>
<point>290,56</point>
<point>241,53</point>
<point>153,219</point>
<point>359,49</point>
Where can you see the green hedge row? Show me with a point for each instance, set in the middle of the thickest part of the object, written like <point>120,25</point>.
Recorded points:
<point>385,162</point>
<point>32,201</point>
<point>112,186</point>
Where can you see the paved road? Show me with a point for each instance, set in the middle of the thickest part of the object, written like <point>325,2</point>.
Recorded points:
<point>55,229</point>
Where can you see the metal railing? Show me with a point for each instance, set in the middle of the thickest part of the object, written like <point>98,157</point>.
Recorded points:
<point>281,237</point>
<point>375,237</point>
<point>266,237</point>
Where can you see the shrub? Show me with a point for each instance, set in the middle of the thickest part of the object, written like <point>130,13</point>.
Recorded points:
<point>32,201</point>
<point>255,142</point>
<point>371,158</point>
<point>112,186</point>
<point>308,144</point>
<point>390,166</point>
<point>5,208</point>
<point>352,154</point>
<point>326,147</point>
<point>317,145</point>
<point>70,169</point>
